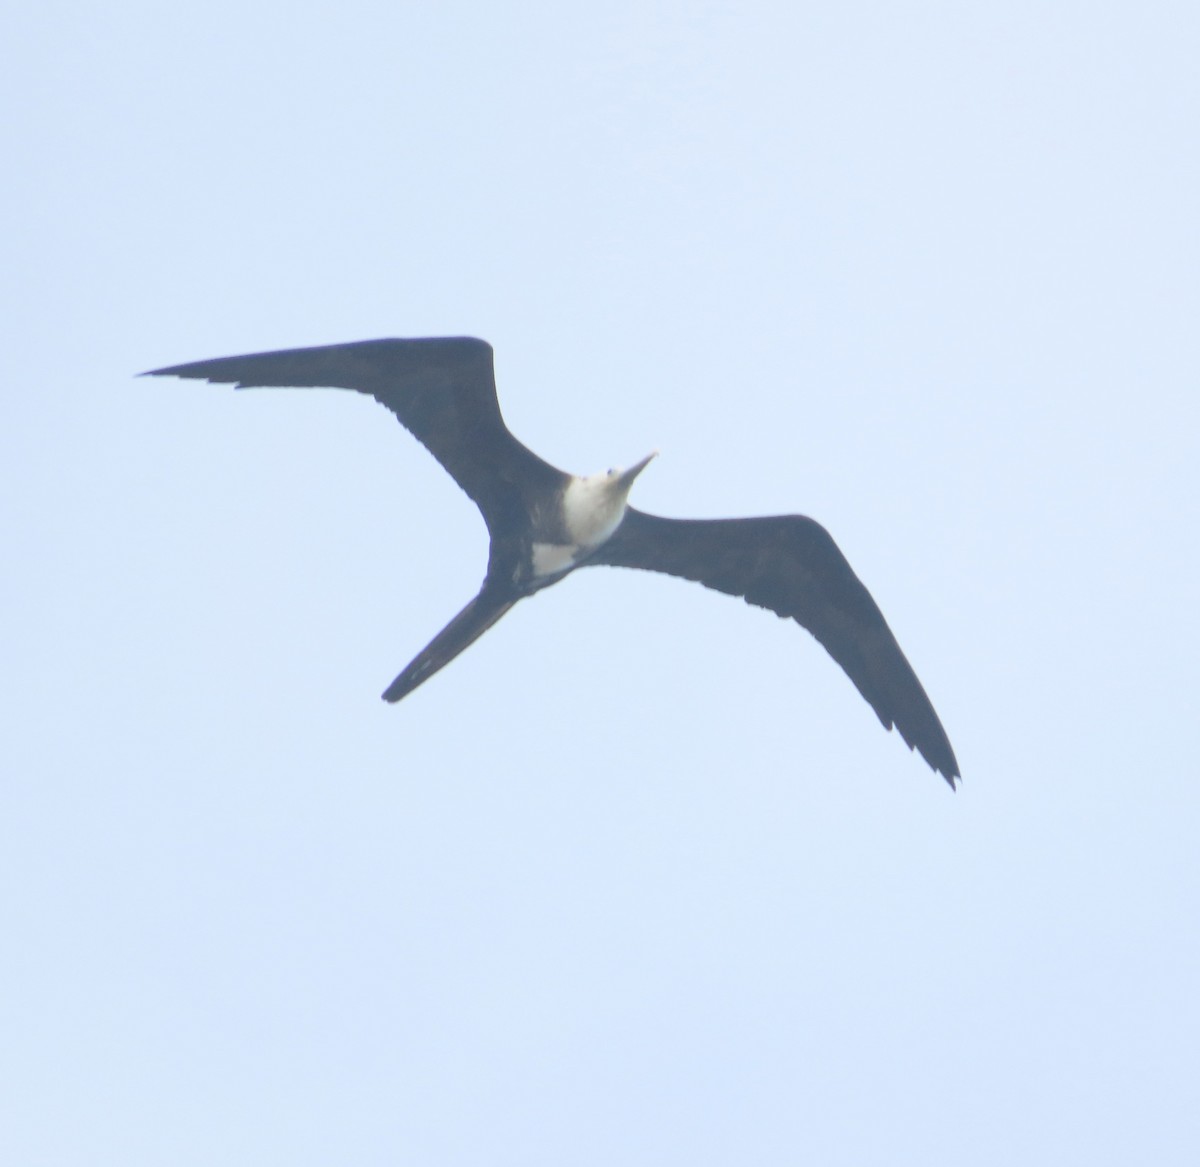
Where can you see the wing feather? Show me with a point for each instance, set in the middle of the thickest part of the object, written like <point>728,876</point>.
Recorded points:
<point>790,565</point>
<point>442,389</point>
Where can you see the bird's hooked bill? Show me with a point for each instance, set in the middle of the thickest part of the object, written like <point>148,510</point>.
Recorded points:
<point>627,476</point>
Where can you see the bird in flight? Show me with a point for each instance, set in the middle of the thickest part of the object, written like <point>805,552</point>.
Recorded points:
<point>545,523</point>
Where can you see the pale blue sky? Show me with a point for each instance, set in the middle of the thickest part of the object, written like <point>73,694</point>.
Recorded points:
<point>639,879</point>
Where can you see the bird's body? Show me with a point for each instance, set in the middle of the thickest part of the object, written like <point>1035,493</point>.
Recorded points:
<point>589,511</point>
<point>544,523</point>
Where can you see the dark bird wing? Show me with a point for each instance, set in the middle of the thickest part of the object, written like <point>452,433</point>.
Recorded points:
<point>792,566</point>
<point>441,388</point>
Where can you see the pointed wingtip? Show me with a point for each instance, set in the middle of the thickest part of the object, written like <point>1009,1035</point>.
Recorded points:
<point>168,371</point>
<point>949,771</point>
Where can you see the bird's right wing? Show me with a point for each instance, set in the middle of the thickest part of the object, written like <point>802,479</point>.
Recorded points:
<point>791,565</point>
<point>442,389</point>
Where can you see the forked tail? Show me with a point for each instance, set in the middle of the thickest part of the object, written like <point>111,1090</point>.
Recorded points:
<point>470,624</point>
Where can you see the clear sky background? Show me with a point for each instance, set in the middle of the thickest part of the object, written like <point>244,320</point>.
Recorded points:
<point>639,879</point>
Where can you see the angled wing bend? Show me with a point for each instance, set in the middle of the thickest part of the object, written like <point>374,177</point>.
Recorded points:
<point>791,565</point>
<point>442,389</point>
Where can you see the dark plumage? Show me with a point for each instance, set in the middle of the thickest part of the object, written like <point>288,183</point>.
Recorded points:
<point>544,523</point>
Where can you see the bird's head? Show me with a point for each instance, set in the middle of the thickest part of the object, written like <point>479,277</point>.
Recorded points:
<point>618,480</point>
<point>595,504</point>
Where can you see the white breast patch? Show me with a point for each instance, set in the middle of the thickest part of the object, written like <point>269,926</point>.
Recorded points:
<point>592,510</point>
<point>551,558</point>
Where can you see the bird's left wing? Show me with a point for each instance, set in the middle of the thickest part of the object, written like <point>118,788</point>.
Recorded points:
<point>791,565</point>
<point>441,388</point>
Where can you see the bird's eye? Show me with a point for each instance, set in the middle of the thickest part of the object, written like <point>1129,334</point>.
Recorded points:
<point>611,472</point>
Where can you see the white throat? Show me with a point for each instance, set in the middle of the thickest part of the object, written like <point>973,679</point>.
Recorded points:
<point>593,508</point>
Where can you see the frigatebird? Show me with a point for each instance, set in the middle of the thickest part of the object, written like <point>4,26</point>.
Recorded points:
<point>545,523</point>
